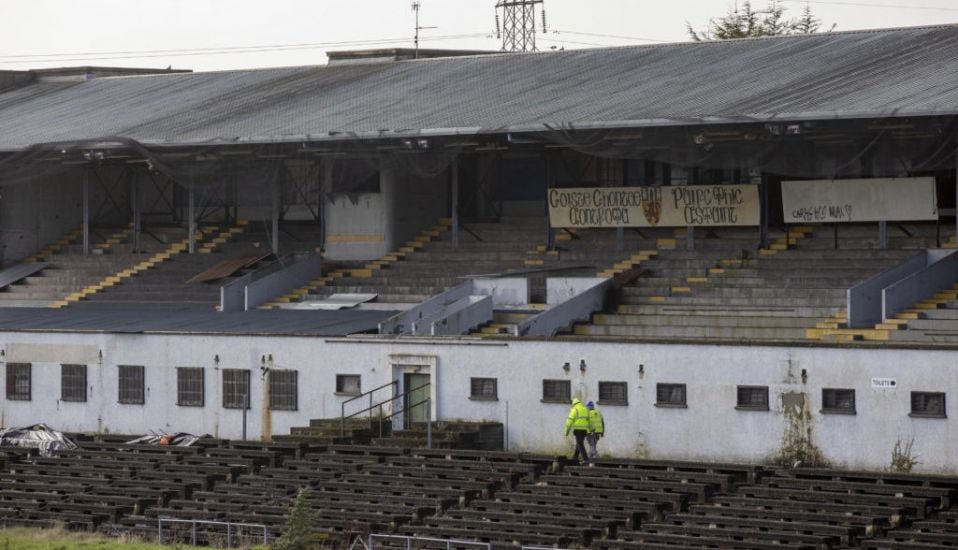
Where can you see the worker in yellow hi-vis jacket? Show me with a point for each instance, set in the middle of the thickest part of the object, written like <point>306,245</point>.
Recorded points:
<point>596,430</point>
<point>578,423</point>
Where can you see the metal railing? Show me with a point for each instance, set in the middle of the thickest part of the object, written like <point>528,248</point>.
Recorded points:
<point>410,542</point>
<point>342,409</point>
<point>194,522</point>
<point>405,408</point>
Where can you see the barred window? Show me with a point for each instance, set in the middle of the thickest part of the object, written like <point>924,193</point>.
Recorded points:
<point>613,393</point>
<point>18,381</point>
<point>838,401</point>
<point>283,390</point>
<point>73,383</point>
<point>348,384</point>
<point>556,391</point>
<point>190,387</point>
<point>670,395</point>
<point>131,385</point>
<point>752,398</point>
<point>483,389</point>
<point>928,404</point>
<point>235,388</point>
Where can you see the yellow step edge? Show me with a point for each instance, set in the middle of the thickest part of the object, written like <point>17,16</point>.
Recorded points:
<point>888,326</point>
<point>657,298</point>
<point>907,316</point>
<point>923,305</point>
<point>716,271</point>
<point>767,252</point>
<point>583,330</point>
<point>552,253</point>
<point>622,265</point>
<point>362,273</point>
<point>533,262</point>
<point>541,248</point>
<point>58,304</point>
<point>681,289</point>
<point>666,243</point>
<point>867,334</point>
<point>697,279</point>
<point>777,246</point>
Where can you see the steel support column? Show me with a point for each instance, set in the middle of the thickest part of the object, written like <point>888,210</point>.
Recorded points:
<point>192,220</point>
<point>455,204</point>
<point>86,211</point>
<point>883,235</point>
<point>763,205</point>
<point>277,187</point>
<point>135,200</point>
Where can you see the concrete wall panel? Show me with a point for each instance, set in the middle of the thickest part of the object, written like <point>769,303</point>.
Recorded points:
<point>709,428</point>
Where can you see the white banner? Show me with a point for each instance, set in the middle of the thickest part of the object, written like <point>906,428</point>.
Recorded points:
<point>679,206</point>
<point>859,200</point>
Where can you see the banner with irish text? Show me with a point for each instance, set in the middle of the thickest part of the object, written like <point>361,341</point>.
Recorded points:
<point>679,206</point>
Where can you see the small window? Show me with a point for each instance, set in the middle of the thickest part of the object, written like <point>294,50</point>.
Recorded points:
<point>838,401</point>
<point>483,389</point>
<point>131,385</point>
<point>928,404</point>
<point>73,383</point>
<point>613,393</point>
<point>348,384</point>
<point>556,391</point>
<point>190,387</point>
<point>670,395</point>
<point>283,390</point>
<point>752,398</point>
<point>235,388</point>
<point>18,381</point>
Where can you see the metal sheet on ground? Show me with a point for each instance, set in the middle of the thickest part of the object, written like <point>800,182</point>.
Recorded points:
<point>226,268</point>
<point>12,274</point>
<point>338,301</point>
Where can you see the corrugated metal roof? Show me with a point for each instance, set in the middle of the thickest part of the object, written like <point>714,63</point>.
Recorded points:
<point>894,72</point>
<point>257,322</point>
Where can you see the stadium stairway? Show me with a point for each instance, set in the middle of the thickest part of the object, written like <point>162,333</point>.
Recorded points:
<point>166,285</point>
<point>69,270</point>
<point>726,289</point>
<point>428,265</point>
<point>360,431</point>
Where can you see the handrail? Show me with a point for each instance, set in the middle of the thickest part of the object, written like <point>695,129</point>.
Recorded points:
<point>380,406</point>
<point>342,408</point>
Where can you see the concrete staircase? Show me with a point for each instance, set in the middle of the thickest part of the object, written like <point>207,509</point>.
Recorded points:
<point>726,289</point>
<point>69,270</point>
<point>165,285</point>
<point>358,431</point>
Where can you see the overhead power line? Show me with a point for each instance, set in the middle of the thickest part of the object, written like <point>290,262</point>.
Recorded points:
<point>872,5</point>
<point>136,54</point>
<point>615,36</point>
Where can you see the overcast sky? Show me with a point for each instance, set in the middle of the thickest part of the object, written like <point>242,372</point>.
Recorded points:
<point>50,33</point>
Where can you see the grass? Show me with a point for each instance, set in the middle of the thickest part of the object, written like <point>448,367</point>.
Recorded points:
<point>60,539</point>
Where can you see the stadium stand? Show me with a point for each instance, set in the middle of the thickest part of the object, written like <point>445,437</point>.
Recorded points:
<point>504,499</point>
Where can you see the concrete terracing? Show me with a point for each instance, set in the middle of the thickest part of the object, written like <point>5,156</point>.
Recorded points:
<point>727,289</point>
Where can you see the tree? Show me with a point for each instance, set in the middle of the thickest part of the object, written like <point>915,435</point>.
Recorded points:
<point>298,534</point>
<point>748,22</point>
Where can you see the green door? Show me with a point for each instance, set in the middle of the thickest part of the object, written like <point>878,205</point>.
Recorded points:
<point>415,405</point>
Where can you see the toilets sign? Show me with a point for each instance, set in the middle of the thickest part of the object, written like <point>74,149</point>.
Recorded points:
<point>679,206</point>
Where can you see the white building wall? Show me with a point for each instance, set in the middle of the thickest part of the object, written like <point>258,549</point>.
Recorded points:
<point>709,428</point>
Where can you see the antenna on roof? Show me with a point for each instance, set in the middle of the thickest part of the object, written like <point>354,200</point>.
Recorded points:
<point>519,24</point>
<point>416,5</point>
